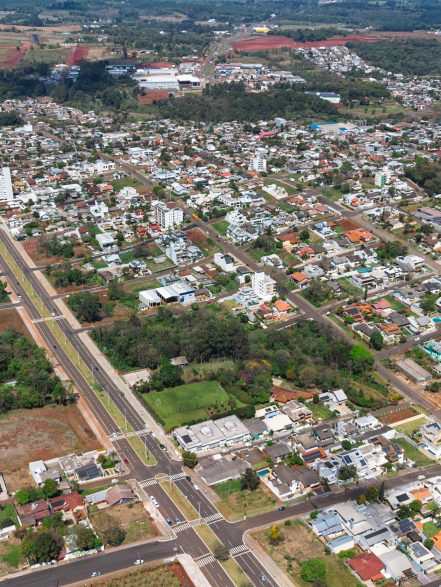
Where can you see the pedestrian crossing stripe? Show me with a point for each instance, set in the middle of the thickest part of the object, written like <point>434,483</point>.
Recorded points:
<point>236,550</point>
<point>177,476</point>
<point>205,560</point>
<point>213,517</point>
<point>147,483</point>
<point>181,527</point>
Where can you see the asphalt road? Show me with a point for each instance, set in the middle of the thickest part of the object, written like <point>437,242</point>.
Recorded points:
<point>190,540</point>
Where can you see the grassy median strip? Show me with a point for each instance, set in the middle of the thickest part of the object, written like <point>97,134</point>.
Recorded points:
<point>230,566</point>
<point>137,444</point>
<point>180,500</point>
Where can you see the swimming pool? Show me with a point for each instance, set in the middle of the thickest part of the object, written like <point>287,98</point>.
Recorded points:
<point>263,472</point>
<point>436,319</point>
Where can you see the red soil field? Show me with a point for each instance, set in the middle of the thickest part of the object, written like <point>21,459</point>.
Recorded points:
<point>77,55</point>
<point>150,97</point>
<point>277,42</point>
<point>12,57</point>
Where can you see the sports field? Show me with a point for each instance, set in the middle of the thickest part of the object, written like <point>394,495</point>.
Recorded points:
<point>187,403</point>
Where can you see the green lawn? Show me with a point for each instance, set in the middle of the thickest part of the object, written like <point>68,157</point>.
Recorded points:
<point>291,190</point>
<point>319,411</point>
<point>396,305</point>
<point>414,454</point>
<point>221,226</point>
<point>224,489</point>
<point>235,503</point>
<point>119,184</point>
<point>10,555</point>
<point>348,287</point>
<point>187,403</point>
<point>410,427</point>
<point>430,529</point>
<point>7,512</point>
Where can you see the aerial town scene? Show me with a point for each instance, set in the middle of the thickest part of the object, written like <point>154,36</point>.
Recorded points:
<point>220,293</point>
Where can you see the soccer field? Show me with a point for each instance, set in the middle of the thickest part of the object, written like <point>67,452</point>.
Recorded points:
<point>187,403</point>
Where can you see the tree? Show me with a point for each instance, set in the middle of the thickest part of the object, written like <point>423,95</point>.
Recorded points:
<point>361,499</point>
<point>304,235</point>
<point>250,480</point>
<point>221,552</point>
<point>312,569</point>
<point>50,488</point>
<point>428,543</point>
<point>346,444</point>
<point>113,535</point>
<point>361,358</point>
<point>347,472</point>
<point>41,546</point>
<point>381,492</point>
<point>86,305</point>
<point>86,538</point>
<point>376,340</point>
<point>189,459</point>
<point>275,535</point>
<point>372,494</point>
<point>22,496</point>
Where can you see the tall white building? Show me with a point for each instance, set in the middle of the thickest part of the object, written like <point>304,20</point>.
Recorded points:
<point>258,164</point>
<point>167,215</point>
<point>6,192</point>
<point>263,285</point>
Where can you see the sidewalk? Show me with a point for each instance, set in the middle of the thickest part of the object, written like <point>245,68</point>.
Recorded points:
<point>193,571</point>
<point>263,557</point>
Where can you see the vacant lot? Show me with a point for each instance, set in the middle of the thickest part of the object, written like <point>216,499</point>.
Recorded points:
<point>132,518</point>
<point>11,320</point>
<point>414,454</point>
<point>172,575</point>
<point>35,249</point>
<point>187,403</point>
<point>41,433</point>
<point>299,545</point>
<point>236,503</point>
<point>400,415</point>
<point>10,556</point>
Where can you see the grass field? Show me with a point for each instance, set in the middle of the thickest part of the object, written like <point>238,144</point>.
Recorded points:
<point>206,370</point>
<point>149,575</point>
<point>319,411</point>
<point>236,504</point>
<point>187,403</point>
<point>299,545</point>
<point>221,226</point>
<point>430,529</point>
<point>414,454</point>
<point>291,190</point>
<point>125,182</point>
<point>10,556</point>
<point>410,427</point>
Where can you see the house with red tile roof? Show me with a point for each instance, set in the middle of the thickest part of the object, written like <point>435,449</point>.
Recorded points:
<point>367,566</point>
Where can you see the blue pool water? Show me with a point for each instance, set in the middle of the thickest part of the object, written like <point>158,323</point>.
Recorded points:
<point>436,319</point>
<point>263,472</point>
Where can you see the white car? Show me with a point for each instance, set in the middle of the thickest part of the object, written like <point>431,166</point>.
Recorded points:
<point>154,501</point>
<point>195,486</point>
<point>95,574</point>
<point>138,561</point>
<point>421,477</point>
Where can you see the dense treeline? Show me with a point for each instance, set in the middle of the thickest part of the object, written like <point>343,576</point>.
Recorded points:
<point>26,377</point>
<point>226,102</point>
<point>23,82</point>
<point>308,355</point>
<point>410,57</point>
<point>426,174</point>
<point>11,118</point>
<point>351,89</point>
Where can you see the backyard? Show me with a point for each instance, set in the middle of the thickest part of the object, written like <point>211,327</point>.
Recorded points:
<point>187,403</point>
<point>299,544</point>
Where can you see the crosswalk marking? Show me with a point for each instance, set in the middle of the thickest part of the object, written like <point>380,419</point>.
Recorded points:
<point>181,527</point>
<point>177,476</point>
<point>147,483</point>
<point>121,435</point>
<point>236,550</point>
<point>205,560</point>
<point>213,517</point>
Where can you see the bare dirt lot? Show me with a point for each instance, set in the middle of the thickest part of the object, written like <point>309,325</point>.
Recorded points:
<point>41,433</point>
<point>10,319</point>
<point>399,416</point>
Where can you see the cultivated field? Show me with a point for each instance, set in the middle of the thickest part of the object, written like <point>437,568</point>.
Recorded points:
<point>187,403</point>
<point>41,433</point>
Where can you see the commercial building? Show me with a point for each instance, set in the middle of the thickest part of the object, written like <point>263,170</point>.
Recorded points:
<point>211,434</point>
<point>414,371</point>
<point>6,193</point>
